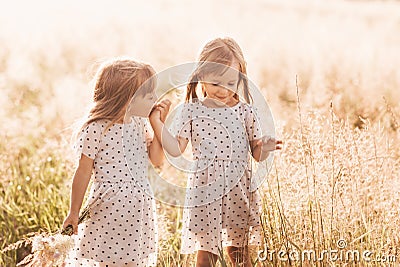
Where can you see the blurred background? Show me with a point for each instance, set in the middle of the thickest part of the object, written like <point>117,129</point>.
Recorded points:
<point>345,51</point>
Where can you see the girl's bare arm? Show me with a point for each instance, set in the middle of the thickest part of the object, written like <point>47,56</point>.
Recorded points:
<point>79,186</point>
<point>172,144</point>
<point>156,153</point>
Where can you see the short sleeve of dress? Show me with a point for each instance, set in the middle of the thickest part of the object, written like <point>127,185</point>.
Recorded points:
<point>88,142</point>
<point>183,121</point>
<point>148,132</point>
<point>253,125</point>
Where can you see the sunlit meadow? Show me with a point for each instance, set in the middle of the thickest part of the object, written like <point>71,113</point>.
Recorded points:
<point>330,71</point>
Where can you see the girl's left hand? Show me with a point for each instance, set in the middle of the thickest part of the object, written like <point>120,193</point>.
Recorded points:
<point>72,219</point>
<point>269,144</point>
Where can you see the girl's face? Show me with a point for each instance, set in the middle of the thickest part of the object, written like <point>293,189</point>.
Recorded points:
<point>141,105</point>
<point>222,88</point>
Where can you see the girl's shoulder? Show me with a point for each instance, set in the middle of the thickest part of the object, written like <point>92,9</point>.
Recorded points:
<point>246,105</point>
<point>88,140</point>
<point>248,112</point>
<point>246,108</point>
<point>100,127</point>
<point>190,106</point>
<point>192,103</point>
<point>142,122</point>
<point>93,127</point>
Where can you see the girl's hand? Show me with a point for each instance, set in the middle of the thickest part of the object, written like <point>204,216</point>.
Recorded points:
<point>163,107</point>
<point>155,115</point>
<point>72,219</point>
<point>160,111</point>
<point>269,144</point>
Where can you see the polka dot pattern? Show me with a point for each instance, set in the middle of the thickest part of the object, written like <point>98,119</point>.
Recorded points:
<point>220,210</point>
<point>122,227</point>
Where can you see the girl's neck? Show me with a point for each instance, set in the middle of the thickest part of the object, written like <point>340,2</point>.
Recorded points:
<point>212,103</point>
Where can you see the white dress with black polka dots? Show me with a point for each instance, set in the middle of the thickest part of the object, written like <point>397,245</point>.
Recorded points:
<point>220,208</point>
<point>122,226</point>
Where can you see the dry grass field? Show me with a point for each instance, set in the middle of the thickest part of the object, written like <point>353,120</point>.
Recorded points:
<point>338,175</point>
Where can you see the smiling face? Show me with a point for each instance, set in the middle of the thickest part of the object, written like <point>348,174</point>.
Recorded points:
<point>222,88</point>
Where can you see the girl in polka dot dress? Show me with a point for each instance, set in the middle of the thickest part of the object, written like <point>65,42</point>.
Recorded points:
<point>114,145</point>
<point>221,208</point>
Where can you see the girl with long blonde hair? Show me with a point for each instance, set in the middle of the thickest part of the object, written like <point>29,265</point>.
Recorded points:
<point>114,145</point>
<point>221,210</point>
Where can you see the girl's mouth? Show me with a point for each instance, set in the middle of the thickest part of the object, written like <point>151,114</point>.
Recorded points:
<point>221,97</point>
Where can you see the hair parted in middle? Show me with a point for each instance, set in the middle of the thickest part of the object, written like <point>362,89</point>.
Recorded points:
<point>216,57</point>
